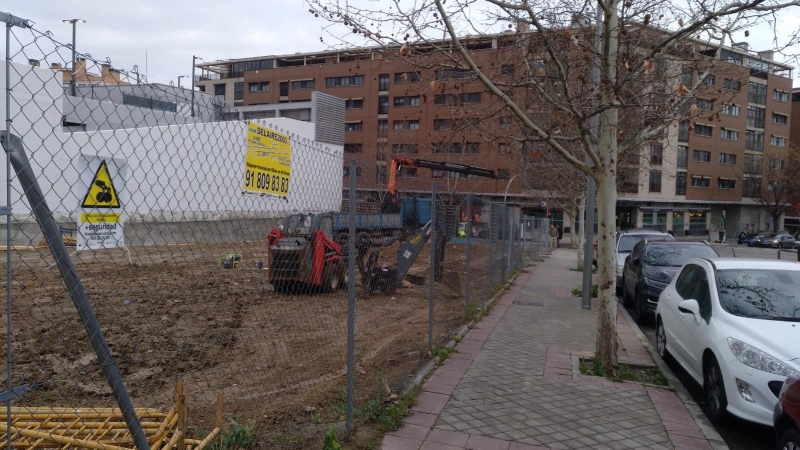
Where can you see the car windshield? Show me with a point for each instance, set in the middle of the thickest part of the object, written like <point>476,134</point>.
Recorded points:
<point>760,293</point>
<point>627,242</point>
<point>298,224</point>
<point>676,255</point>
<point>769,235</point>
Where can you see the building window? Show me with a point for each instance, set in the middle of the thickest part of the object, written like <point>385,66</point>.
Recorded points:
<point>236,104</point>
<point>237,70</point>
<point>655,181</point>
<point>752,164</point>
<point>507,70</point>
<point>457,99</point>
<point>734,85</point>
<point>381,150</point>
<point>471,147</point>
<point>704,105</point>
<point>354,80</point>
<point>780,96</point>
<point>407,77</point>
<point>683,156</point>
<point>401,102</point>
<point>656,155</point>
<point>283,87</point>
<point>727,158</point>
<point>259,87</point>
<point>260,64</point>
<point>701,156</point>
<point>680,183</point>
<point>383,82</point>
<point>729,135</point>
<point>751,187</point>
<point>442,124</point>
<point>353,148</point>
<point>303,84</point>
<point>757,93</point>
<point>503,174</point>
<point>347,171</point>
<point>755,116</point>
<point>777,141</point>
<point>708,80</point>
<point>776,164</point>
<point>503,148</point>
<point>780,119</point>
<point>456,147</point>
<point>238,91</point>
<point>754,140</point>
<point>403,125</point>
<point>701,182</point>
<point>758,69</point>
<point>407,172</point>
<point>703,130</point>
<point>726,183</point>
<point>383,105</point>
<point>354,103</point>
<point>219,89</point>
<point>731,57</point>
<point>398,149</point>
<point>686,77</point>
<point>383,127</point>
<point>683,131</point>
<point>506,121</point>
<point>353,126</point>
<point>730,110</point>
<point>450,74</point>
<point>380,174</point>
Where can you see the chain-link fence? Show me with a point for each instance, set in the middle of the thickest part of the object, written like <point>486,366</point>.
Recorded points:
<point>150,241</point>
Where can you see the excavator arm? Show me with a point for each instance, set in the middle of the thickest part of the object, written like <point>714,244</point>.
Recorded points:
<point>400,161</point>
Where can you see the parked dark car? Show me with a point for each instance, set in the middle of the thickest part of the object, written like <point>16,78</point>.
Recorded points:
<point>787,415</point>
<point>751,242</point>
<point>743,238</point>
<point>775,240</point>
<point>650,268</point>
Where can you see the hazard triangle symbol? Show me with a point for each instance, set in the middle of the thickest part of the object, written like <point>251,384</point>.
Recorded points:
<point>102,193</point>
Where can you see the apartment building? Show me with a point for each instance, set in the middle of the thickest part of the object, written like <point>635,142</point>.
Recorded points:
<point>706,173</point>
<point>393,108</point>
<point>704,169</point>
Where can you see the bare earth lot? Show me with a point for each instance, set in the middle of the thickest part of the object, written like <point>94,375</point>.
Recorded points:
<point>278,359</point>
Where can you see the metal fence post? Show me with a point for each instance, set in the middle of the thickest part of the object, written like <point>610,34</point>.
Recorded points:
<point>9,361</point>
<point>489,248</point>
<point>351,300</point>
<point>433,264</point>
<point>469,239</point>
<point>44,217</point>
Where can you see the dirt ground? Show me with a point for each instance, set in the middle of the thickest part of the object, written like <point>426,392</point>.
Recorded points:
<point>279,359</point>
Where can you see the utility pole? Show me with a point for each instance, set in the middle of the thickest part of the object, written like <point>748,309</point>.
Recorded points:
<point>194,61</point>
<point>74,23</point>
<point>588,224</point>
<point>179,79</point>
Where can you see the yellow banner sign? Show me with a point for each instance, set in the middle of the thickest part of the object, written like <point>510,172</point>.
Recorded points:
<point>268,162</point>
<point>100,217</point>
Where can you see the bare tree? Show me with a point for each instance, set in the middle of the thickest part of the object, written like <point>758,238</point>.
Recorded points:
<point>778,188</point>
<point>620,73</point>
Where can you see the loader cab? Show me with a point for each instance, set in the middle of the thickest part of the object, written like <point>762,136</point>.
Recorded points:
<point>303,224</point>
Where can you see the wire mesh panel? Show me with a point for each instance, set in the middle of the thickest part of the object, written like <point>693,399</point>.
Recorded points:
<point>166,258</point>
<point>206,250</point>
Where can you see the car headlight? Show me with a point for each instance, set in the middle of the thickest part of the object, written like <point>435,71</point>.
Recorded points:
<point>755,358</point>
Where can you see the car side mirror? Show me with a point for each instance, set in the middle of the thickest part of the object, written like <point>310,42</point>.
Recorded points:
<point>690,307</point>
<point>627,259</point>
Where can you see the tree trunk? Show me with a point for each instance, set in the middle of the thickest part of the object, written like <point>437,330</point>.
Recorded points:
<point>606,178</point>
<point>582,216</point>
<point>776,218</point>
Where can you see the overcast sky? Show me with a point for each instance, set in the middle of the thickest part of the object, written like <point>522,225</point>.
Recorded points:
<point>171,31</point>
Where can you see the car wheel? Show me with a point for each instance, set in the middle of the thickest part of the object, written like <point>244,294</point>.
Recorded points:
<point>661,339</point>
<point>714,390</point>
<point>790,440</point>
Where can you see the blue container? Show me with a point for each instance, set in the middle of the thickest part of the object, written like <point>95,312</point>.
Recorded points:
<point>416,210</point>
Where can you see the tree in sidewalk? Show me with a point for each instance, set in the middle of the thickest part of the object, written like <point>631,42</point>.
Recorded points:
<point>639,55</point>
<point>778,188</point>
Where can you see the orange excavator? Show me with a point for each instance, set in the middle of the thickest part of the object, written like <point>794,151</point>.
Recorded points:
<point>391,203</point>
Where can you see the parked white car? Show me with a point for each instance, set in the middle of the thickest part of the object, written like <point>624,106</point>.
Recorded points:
<point>734,325</point>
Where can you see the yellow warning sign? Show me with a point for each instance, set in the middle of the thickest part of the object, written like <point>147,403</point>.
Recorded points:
<point>268,162</point>
<point>98,217</point>
<point>102,193</point>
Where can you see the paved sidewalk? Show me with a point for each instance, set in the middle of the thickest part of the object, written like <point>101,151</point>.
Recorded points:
<point>514,384</point>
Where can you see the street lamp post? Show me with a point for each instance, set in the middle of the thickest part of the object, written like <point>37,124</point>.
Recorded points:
<point>74,23</point>
<point>179,79</point>
<point>194,61</point>
<point>510,226</point>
